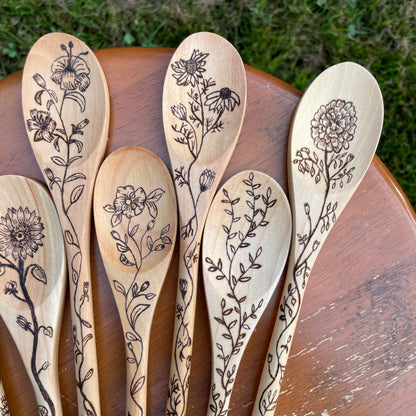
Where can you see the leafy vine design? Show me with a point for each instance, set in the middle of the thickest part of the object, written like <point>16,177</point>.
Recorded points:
<point>236,316</point>
<point>332,129</point>
<point>135,247</point>
<point>199,118</point>
<point>70,72</point>
<point>20,238</point>
<point>4,407</point>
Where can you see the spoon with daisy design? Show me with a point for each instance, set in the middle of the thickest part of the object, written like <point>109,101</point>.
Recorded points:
<point>66,107</point>
<point>333,138</point>
<point>135,219</point>
<point>33,282</point>
<point>204,100</point>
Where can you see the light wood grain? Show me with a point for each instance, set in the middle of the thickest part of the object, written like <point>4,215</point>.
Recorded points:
<point>334,135</point>
<point>4,406</point>
<point>33,271</point>
<point>353,350</point>
<point>245,247</point>
<point>136,222</point>
<point>66,109</point>
<point>204,100</point>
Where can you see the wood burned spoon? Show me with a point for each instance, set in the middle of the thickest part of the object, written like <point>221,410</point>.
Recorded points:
<point>33,282</point>
<point>66,108</point>
<point>136,221</point>
<point>245,246</point>
<point>204,100</point>
<point>4,407</point>
<point>334,135</point>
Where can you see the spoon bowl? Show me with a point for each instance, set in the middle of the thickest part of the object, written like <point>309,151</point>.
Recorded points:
<point>334,135</point>
<point>33,271</point>
<point>204,101</point>
<point>66,107</point>
<point>245,247</point>
<point>136,222</point>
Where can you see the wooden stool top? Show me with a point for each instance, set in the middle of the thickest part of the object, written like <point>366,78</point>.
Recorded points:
<point>355,347</point>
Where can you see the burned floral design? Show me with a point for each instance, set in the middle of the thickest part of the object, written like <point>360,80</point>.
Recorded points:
<point>21,237</point>
<point>65,85</point>
<point>20,233</point>
<point>221,100</point>
<point>329,166</point>
<point>190,71</point>
<point>206,180</point>
<point>333,126</point>
<point>43,125</point>
<point>71,71</point>
<point>134,247</point>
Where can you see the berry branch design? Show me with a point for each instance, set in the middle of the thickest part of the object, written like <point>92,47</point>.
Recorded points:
<point>70,72</point>
<point>198,119</point>
<point>239,267</point>
<point>20,238</point>
<point>329,165</point>
<point>135,246</point>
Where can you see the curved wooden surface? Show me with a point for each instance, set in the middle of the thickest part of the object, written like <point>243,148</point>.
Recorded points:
<point>355,347</point>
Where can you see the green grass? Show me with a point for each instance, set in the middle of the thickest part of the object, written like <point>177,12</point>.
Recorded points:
<point>293,40</point>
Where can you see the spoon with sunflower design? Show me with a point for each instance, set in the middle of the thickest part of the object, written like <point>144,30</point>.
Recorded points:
<point>204,100</point>
<point>333,138</point>
<point>33,282</point>
<point>66,107</point>
<point>136,219</point>
<point>245,246</point>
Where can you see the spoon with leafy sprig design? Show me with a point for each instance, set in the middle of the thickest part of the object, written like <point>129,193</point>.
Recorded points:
<point>245,246</point>
<point>333,138</point>
<point>136,220</point>
<point>204,100</point>
<point>32,282</point>
<point>66,107</point>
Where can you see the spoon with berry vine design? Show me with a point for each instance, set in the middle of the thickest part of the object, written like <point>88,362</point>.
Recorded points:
<point>245,246</point>
<point>136,219</point>
<point>66,107</point>
<point>204,100</point>
<point>333,138</point>
<point>32,282</point>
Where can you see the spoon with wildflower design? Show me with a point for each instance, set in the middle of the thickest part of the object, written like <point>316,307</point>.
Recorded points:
<point>245,246</point>
<point>204,100</point>
<point>334,135</point>
<point>32,282</point>
<point>136,219</point>
<point>66,108</point>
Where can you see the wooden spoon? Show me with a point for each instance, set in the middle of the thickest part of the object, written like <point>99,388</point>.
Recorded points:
<point>136,222</point>
<point>245,247</point>
<point>33,282</point>
<point>334,135</point>
<point>66,108</point>
<point>4,407</point>
<point>204,100</point>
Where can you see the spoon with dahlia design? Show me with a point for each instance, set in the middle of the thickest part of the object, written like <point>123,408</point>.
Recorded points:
<point>204,100</point>
<point>136,220</point>
<point>245,246</point>
<point>33,282</point>
<point>333,138</point>
<point>66,108</point>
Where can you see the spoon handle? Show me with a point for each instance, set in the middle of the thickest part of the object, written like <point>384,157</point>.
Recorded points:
<point>4,407</point>
<point>183,331</point>
<point>279,346</point>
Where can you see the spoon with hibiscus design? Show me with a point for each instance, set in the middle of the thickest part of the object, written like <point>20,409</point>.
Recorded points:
<point>333,138</point>
<point>245,246</point>
<point>136,220</point>
<point>204,100</point>
<point>32,282</point>
<point>66,108</point>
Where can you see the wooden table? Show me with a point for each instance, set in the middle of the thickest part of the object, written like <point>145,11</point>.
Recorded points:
<point>355,347</point>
